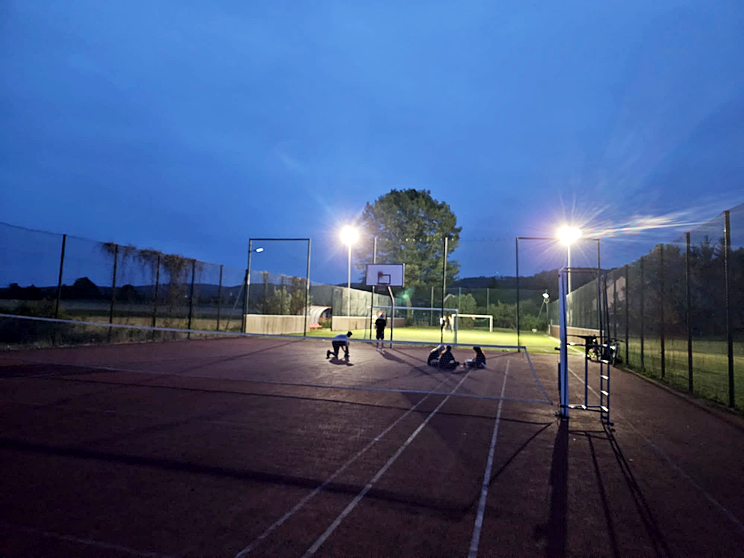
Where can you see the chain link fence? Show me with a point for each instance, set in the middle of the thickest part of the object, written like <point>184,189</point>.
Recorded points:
<point>679,310</point>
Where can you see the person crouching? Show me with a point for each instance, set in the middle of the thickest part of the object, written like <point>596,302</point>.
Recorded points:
<point>434,355</point>
<point>341,341</point>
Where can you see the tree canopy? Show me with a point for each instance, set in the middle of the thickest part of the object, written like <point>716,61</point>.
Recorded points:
<point>411,226</point>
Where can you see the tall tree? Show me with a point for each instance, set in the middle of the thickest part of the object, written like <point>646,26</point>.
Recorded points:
<point>410,226</point>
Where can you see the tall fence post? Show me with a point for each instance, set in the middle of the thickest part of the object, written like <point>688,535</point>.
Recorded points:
<point>688,313</point>
<point>662,326</point>
<point>191,296</point>
<point>444,288</point>
<point>219,299</point>
<point>247,286</point>
<point>431,305</point>
<point>614,306</point>
<point>113,291</point>
<point>155,306</point>
<point>307,289</point>
<point>517,278</point>
<point>729,314</point>
<point>627,316</point>
<point>643,288</point>
<point>59,287</point>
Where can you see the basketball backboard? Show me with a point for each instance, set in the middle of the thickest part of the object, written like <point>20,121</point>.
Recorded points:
<point>385,275</point>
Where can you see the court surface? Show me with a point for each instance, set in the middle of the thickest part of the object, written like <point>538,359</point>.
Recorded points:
<point>262,447</point>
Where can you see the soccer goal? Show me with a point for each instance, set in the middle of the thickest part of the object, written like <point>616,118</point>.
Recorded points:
<point>415,323</point>
<point>477,317</point>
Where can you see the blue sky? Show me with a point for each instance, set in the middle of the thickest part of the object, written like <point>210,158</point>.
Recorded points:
<point>191,126</point>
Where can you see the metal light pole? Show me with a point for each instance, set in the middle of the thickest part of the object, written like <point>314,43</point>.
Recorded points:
<point>349,235</point>
<point>348,285</point>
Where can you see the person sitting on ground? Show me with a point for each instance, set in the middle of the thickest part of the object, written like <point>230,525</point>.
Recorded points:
<point>433,359</point>
<point>447,360</point>
<point>341,341</point>
<point>479,361</point>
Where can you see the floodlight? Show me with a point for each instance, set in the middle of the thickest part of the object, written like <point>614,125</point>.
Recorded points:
<point>546,296</point>
<point>258,250</point>
<point>567,235</point>
<point>349,235</point>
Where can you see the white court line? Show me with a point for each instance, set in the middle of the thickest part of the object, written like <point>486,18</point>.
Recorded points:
<point>325,483</point>
<point>660,452</point>
<point>317,544</point>
<point>94,368</point>
<point>474,542</point>
<point>87,542</point>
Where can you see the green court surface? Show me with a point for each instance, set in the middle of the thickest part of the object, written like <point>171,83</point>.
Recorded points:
<point>535,342</point>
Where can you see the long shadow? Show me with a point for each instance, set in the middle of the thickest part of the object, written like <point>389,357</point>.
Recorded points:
<point>558,524</point>
<point>603,497</point>
<point>649,521</point>
<point>235,357</point>
<point>433,506</point>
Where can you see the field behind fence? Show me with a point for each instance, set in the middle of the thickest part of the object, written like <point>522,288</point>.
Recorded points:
<point>679,310</point>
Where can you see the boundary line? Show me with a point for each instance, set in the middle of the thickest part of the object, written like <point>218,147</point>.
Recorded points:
<point>94,368</point>
<point>237,334</point>
<point>349,508</point>
<point>278,523</point>
<point>475,541</point>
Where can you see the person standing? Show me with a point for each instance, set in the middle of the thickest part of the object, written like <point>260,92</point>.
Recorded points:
<point>341,341</point>
<point>380,325</point>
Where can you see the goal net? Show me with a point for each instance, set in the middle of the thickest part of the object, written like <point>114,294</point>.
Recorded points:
<point>475,321</point>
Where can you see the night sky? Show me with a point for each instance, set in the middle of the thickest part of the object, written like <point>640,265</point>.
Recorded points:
<point>192,126</point>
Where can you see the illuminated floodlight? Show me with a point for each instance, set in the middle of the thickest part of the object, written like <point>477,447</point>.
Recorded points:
<point>258,250</point>
<point>567,235</point>
<point>349,235</point>
<point>546,296</point>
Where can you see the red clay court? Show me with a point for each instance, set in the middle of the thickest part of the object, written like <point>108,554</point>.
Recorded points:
<point>262,447</point>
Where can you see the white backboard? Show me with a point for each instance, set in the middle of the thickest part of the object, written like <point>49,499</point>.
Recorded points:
<point>385,275</point>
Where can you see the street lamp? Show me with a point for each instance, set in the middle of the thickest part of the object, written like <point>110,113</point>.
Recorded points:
<point>349,236</point>
<point>567,236</point>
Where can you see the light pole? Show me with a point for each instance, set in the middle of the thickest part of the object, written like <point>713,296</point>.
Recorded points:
<point>568,235</point>
<point>349,236</point>
<point>247,285</point>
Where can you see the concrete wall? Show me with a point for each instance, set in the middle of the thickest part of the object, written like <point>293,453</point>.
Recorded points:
<point>274,325</point>
<point>346,323</point>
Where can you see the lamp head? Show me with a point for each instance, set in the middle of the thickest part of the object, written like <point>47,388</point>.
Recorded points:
<point>567,235</point>
<point>349,235</point>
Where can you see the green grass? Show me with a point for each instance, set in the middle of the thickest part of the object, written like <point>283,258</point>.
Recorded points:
<point>535,342</point>
<point>709,366</point>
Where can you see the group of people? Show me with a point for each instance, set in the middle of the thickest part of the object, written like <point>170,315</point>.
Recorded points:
<point>442,357</point>
<point>341,341</point>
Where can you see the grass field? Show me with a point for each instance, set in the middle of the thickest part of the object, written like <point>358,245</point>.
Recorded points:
<point>535,342</point>
<point>709,366</point>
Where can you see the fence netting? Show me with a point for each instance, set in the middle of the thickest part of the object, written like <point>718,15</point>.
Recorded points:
<point>679,309</point>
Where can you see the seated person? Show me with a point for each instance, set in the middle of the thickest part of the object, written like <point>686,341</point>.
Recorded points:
<point>447,361</point>
<point>479,361</point>
<point>433,359</point>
